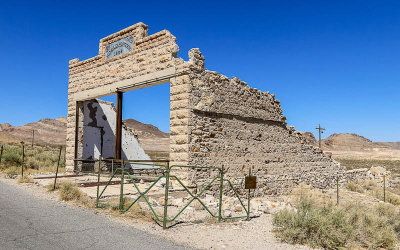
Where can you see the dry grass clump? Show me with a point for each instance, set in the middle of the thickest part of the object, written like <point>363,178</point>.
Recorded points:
<point>68,191</point>
<point>371,188</point>
<point>134,212</point>
<point>304,191</point>
<point>355,187</point>
<point>25,179</point>
<point>336,227</point>
<point>12,172</point>
<point>392,198</point>
<point>50,186</point>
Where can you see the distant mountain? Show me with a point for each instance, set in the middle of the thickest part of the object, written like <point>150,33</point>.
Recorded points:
<point>346,141</point>
<point>349,142</point>
<point>46,131</point>
<point>5,126</point>
<point>310,138</point>
<point>54,131</point>
<point>144,130</point>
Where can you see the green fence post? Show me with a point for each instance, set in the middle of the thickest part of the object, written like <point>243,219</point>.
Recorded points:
<point>98,182</point>
<point>221,186</point>
<point>166,197</point>
<point>384,188</point>
<point>121,199</point>
<point>337,190</point>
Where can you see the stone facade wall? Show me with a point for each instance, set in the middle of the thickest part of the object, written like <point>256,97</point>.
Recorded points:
<point>150,54</point>
<point>214,120</point>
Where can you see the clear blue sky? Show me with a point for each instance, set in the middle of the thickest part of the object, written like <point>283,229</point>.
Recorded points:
<point>331,62</point>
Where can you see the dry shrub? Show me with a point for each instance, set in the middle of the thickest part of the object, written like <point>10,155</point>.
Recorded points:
<point>369,185</point>
<point>310,225</point>
<point>25,179</point>
<point>355,187</point>
<point>68,191</point>
<point>375,190</point>
<point>304,191</point>
<point>392,198</point>
<point>50,186</point>
<point>373,228</point>
<point>351,226</point>
<point>12,172</point>
<point>371,188</point>
<point>135,211</point>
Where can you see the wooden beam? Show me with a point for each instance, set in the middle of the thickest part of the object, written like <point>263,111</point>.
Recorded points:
<point>76,134</point>
<point>118,129</point>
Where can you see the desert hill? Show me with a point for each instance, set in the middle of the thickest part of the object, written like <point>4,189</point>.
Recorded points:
<point>144,130</point>
<point>53,131</point>
<point>47,131</point>
<point>349,142</point>
<point>4,126</point>
<point>310,138</point>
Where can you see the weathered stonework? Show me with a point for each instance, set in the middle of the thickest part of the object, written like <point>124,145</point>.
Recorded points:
<point>214,120</point>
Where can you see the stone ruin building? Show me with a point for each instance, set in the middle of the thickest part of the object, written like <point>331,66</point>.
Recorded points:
<point>214,120</point>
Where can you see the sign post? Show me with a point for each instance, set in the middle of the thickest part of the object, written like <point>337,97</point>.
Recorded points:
<point>250,182</point>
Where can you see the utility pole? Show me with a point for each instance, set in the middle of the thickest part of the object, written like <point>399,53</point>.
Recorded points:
<point>320,131</point>
<point>33,137</point>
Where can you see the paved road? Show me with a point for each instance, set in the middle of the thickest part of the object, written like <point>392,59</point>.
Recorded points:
<point>28,222</point>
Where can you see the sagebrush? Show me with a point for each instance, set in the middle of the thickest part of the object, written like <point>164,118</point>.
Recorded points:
<point>334,227</point>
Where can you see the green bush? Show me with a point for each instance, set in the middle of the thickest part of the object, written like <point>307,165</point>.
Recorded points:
<point>374,228</point>
<point>332,227</point>
<point>317,227</point>
<point>12,157</point>
<point>41,158</point>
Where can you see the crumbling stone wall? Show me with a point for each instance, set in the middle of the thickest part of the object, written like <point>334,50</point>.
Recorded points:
<point>239,127</point>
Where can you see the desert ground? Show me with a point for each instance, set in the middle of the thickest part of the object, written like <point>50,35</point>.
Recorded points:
<point>195,227</point>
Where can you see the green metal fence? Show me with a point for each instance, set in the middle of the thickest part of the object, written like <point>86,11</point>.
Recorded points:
<point>167,175</point>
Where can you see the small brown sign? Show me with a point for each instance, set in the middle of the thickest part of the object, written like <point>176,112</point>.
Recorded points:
<point>250,182</point>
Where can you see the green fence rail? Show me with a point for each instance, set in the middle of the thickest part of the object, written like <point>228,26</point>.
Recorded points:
<point>167,175</point>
